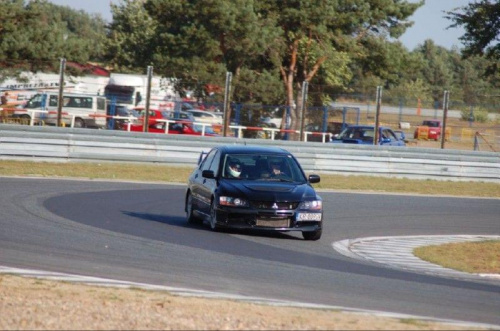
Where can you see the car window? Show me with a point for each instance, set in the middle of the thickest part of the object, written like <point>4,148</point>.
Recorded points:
<point>205,165</point>
<point>175,126</point>
<point>199,128</point>
<point>215,163</point>
<point>53,100</point>
<point>259,167</point>
<point>389,134</point>
<point>432,124</point>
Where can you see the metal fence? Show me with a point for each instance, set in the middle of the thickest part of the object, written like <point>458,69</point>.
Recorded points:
<point>69,145</point>
<point>250,120</point>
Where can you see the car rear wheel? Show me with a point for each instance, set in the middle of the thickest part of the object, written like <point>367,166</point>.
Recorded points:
<point>189,211</point>
<point>312,235</point>
<point>79,123</point>
<point>25,119</point>
<point>213,218</point>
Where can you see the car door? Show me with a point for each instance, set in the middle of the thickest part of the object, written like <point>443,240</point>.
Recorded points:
<point>389,138</point>
<point>198,182</point>
<point>209,185</point>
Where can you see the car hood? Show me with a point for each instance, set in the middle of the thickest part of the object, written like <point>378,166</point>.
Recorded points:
<point>267,191</point>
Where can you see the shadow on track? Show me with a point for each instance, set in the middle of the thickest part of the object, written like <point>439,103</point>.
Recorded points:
<point>181,222</point>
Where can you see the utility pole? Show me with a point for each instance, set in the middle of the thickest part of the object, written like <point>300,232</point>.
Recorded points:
<point>377,115</point>
<point>305,87</point>
<point>145,127</point>
<point>227,113</point>
<point>62,67</point>
<point>446,100</point>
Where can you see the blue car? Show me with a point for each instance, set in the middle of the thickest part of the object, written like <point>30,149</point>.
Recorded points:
<point>364,134</point>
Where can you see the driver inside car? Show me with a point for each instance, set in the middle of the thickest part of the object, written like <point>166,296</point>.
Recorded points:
<point>277,170</point>
<point>234,169</point>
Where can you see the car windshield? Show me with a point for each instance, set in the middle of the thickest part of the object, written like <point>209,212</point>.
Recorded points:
<point>365,134</point>
<point>35,101</point>
<point>432,124</point>
<point>262,167</point>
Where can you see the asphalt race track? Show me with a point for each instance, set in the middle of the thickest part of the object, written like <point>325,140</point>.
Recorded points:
<point>137,232</point>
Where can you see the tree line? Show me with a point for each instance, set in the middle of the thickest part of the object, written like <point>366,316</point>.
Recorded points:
<point>270,46</point>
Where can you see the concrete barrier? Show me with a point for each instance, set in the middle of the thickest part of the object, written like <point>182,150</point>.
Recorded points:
<point>77,145</point>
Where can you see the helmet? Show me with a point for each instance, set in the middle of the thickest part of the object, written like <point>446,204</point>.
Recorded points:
<point>234,168</point>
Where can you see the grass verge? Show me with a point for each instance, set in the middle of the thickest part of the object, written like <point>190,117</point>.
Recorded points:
<point>162,173</point>
<point>472,257</point>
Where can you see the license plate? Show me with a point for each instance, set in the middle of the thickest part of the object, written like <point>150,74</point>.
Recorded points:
<point>309,217</point>
<point>273,223</point>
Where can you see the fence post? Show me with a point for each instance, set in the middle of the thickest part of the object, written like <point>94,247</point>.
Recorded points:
<point>325,118</point>
<point>305,85</point>
<point>145,127</point>
<point>401,103</point>
<point>377,115</point>
<point>62,67</point>
<point>445,115</point>
<point>227,113</point>
<point>476,143</point>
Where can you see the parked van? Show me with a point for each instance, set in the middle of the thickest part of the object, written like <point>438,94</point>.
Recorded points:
<point>16,98</point>
<point>78,110</point>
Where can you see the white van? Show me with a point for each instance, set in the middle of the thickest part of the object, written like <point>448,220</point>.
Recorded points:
<point>79,110</point>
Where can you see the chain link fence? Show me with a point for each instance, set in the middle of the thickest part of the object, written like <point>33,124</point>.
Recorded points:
<point>468,126</point>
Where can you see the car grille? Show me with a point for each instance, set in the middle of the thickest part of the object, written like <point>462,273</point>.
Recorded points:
<point>273,223</point>
<point>274,205</point>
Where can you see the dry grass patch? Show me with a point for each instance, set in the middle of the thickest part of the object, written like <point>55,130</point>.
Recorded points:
<point>103,170</point>
<point>163,173</point>
<point>472,257</point>
<point>403,185</point>
<point>28,304</point>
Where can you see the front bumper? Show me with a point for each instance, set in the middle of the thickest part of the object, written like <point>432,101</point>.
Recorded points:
<point>269,220</point>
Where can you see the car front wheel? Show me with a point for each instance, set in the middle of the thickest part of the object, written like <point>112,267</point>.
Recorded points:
<point>312,235</point>
<point>189,210</point>
<point>213,218</point>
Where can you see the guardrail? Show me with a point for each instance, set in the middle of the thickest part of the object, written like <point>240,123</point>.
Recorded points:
<point>69,145</point>
<point>237,129</point>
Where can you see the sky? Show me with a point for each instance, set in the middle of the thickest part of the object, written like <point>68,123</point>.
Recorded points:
<point>429,20</point>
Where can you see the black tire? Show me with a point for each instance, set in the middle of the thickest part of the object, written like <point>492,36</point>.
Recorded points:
<point>25,119</point>
<point>312,235</point>
<point>79,123</point>
<point>213,218</point>
<point>190,218</point>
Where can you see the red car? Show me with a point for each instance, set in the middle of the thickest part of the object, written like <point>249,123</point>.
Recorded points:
<point>174,128</point>
<point>433,129</point>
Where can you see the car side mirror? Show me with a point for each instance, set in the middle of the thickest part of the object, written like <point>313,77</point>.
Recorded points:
<point>314,179</point>
<point>208,174</point>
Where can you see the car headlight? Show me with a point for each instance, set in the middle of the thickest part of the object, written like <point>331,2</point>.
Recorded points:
<point>311,205</point>
<point>233,202</point>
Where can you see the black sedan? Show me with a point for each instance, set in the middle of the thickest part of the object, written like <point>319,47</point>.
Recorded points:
<point>250,187</point>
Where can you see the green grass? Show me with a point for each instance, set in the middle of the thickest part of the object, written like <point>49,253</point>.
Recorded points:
<point>472,257</point>
<point>162,173</point>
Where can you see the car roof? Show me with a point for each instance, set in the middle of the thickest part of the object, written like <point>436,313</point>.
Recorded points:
<point>249,149</point>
